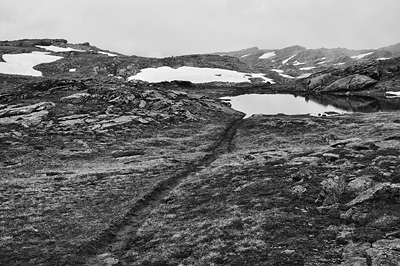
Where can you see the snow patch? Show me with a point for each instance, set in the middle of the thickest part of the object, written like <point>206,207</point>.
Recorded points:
<point>305,75</point>
<point>323,62</point>
<point>382,58</point>
<point>72,70</point>
<point>339,64</point>
<point>109,54</point>
<point>287,60</point>
<point>392,94</point>
<point>297,63</point>
<point>22,64</point>
<point>57,49</point>
<point>361,55</point>
<point>245,55</point>
<point>286,76</point>
<point>277,70</point>
<point>267,55</point>
<point>307,68</point>
<point>195,75</point>
<point>281,73</point>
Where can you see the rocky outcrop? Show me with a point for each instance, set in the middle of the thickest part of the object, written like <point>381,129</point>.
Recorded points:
<point>25,115</point>
<point>351,83</point>
<point>381,252</point>
<point>375,76</point>
<point>320,81</point>
<point>383,190</point>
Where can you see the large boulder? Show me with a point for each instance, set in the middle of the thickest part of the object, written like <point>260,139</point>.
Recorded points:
<point>354,82</point>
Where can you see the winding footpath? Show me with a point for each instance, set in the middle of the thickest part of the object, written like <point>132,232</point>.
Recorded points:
<point>107,248</point>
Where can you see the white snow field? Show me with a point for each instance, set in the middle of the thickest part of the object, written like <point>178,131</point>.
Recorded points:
<point>281,73</point>
<point>297,63</point>
<point>57,49</point>
<point>267,55</point>
<point>286,76</point>
<point>22,64</point>
<point>361,55</point>
<point>307,68</point>
<point>195,75</point>
<point>305,75</point>
<point>392,94</point>
<point>109,54</point>
<point>287,60</point>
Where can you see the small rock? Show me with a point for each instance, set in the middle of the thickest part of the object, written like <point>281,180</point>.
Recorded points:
<point>332,189</point>
<point>343,142</point>
<point>142,120</point>
<point>360,184</point>
<point>111,261</point>
<point>331,209</point>
<point>298,190</point>
<point>331,156</point>
<point>142,104</point>
<point>76,98</point>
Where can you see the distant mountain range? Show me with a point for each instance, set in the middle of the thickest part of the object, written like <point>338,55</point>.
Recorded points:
<point>298,61</point>
<point>56,58</point>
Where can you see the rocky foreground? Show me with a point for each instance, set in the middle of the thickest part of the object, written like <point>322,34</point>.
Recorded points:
<point>104,172</point>
<point>77,157</point>
<point>292,191</point>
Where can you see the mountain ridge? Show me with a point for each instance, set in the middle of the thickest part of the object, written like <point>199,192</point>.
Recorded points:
<point>284,65</point>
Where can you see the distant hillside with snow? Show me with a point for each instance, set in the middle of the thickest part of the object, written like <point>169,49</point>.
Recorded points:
<point>298,61</point>
<point>56,58</point>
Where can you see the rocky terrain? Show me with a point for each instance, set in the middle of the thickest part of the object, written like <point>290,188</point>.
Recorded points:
<point>76,157</point>
<point>370,78</point>
<point>99,170</point>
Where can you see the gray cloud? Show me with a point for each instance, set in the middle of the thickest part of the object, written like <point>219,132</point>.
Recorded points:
<point>175,27</point>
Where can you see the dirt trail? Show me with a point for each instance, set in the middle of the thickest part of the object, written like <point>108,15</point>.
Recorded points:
<point>106,248</point>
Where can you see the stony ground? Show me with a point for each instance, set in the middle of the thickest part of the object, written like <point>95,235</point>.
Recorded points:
<point>77,157</point>
<point>293,191</point>
<point>104,172</point>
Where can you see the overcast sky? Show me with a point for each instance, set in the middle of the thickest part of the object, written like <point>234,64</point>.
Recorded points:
<point>175,27</point>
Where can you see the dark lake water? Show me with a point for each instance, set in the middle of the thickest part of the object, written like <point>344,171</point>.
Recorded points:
<point>318,105</point>
<point>272,104</point>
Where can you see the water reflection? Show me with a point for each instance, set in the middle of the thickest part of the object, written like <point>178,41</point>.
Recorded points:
<point>311,104</point>
<point>365,104</point>
<point>278,103</point>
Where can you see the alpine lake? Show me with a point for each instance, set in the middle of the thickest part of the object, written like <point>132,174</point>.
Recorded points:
<point>315,105</point>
